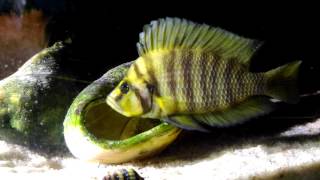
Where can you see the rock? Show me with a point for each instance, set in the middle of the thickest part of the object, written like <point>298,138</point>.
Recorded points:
<point>35,99</point>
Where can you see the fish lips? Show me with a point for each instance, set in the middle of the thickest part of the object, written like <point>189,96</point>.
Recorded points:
<point>111,102</point>
<point>113,105</point>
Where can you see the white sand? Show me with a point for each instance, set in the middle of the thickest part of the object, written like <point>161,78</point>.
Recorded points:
<point>258,159</point>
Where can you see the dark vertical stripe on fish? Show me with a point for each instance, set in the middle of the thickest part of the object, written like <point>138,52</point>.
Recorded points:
<point>203,79</point>
<point>137,70</point>
<point>150,71</point>
<point>236,79</point>
<point>216,62</point>
<point>153,80</point>
<point>259,84</point>
<point>241,83</point>
<point>228,80</point>
<point>125,174</point>
<point>169,70</point>
<point>186,61</point>
<point>143,101</point>
<point>118,176</point>
<point>171,81</point>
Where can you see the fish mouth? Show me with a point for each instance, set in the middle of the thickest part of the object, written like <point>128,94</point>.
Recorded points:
<point>114,105</point>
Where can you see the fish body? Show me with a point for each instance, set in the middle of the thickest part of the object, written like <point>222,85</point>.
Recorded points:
<point>198,78</point>
<point>195,82</point>
<point>123,174</point>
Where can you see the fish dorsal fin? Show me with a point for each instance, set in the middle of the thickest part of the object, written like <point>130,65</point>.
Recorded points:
<point>175,33</point>
<point>253,107</point>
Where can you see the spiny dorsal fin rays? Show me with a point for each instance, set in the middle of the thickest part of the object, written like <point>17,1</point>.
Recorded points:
<point>175,33</point>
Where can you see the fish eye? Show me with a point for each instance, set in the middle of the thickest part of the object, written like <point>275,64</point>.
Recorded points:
<point>124,88</point>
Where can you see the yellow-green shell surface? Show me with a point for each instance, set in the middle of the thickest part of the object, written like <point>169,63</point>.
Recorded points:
<point>94,132</point>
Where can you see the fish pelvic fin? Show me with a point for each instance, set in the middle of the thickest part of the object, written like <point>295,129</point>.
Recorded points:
<point>282,82</point>
<point>186,122</point>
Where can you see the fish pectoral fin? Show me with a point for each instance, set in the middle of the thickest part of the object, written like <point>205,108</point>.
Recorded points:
<point>252,107</point>
<point>186,122</point>
<point>176,33</point>
<point>166,104</point>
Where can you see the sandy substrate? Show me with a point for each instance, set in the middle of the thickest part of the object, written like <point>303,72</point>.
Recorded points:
<point>292,154</point>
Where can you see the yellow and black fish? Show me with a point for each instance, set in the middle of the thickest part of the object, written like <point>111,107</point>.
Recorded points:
<point>123,174</point>
<point>192,75</point>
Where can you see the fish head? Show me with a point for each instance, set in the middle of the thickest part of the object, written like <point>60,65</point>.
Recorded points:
<point>131,97</point>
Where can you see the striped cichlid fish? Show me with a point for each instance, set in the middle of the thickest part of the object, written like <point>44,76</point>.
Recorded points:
<point>123,174</point>
<point>193,76</point>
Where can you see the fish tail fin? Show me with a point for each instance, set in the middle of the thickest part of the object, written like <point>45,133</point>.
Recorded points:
<point>282,82</point>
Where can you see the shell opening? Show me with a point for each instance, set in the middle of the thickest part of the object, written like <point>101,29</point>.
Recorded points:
<point>105,123</point>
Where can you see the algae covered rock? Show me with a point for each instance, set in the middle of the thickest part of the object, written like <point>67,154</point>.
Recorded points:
<point>35,99</point>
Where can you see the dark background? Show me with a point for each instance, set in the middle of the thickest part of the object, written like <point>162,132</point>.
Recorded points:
<point>105,34</point>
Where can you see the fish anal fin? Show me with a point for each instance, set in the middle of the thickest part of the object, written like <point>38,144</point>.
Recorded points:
<point>250,108</point>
